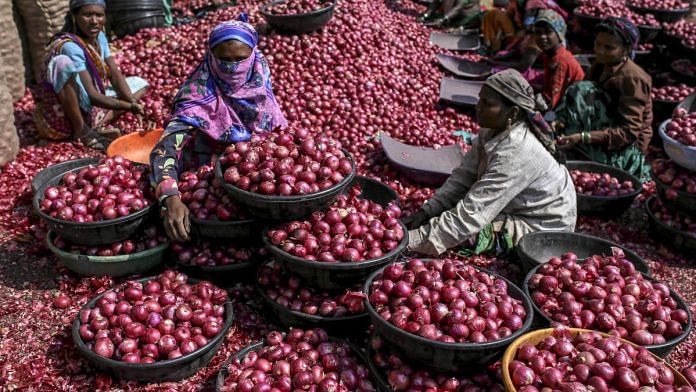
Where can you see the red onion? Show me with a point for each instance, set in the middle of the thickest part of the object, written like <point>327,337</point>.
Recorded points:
<point>682,127</point>
<point>139,242</point>
<point>211,254</point>
<point>299,7</point>
<point>205,197</point>
<point>598,184</point>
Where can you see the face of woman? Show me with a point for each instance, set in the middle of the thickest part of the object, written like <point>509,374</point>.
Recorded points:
<point>90,20</point>
<point>609,49</point>
<point>546,37</point>
<point>491,110</point>
<point>232,51</point>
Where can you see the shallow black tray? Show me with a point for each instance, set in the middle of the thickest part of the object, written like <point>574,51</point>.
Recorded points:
<point>300,23</point>
<point>667,235</point>
<point>59,168</point>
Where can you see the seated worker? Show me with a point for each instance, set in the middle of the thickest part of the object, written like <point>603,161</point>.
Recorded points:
<point>443,12</point>
<point>511,183</point>
<point>83,88</point>
<point>561,69</point>
<point>608,117</point>
<point>226,99</point>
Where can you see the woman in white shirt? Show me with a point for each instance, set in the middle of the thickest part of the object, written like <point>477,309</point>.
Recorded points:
<point>511,183</point>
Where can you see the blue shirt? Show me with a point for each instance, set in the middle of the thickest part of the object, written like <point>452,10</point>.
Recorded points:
<point>79,59</point>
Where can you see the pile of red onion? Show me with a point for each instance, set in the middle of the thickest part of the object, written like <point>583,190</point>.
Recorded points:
<point>404,377</point>
<point>682,127</point>
<point>684,29</point>
<point>446,300</point>
<point>606,293</point>
<point>205,197</point>
<point>589,362</point>
<point>296,7</point>
<point>112,189</point>
<point>299,361</point>
<point>208,254</point>
<point>351,230</point>
<point>286,163</point>
<point>599,184</point>
<point>661,4</point>
<point>643,19</point>
<point>289,292</point>
<point>672,93</point>
<point>675,177</point>
<point>673,219</point>
<point>602,8</point>
<point>149,238</point>
<point>690,374</point>
<point>164,318</point>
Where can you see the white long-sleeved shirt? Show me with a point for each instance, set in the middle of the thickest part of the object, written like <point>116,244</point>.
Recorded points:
<point>522,189</point>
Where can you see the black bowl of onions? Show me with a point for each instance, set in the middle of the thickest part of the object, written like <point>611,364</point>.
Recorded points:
<point>599,361</point>
<point>60,168</point>
<point>462,326</point>
<point>674,230</point>
<point>298,16</point>
<point>342,245</point>
<point>603,190</point>
<point>213,214</point>
<point>296,304</point>
<point>322,364</point>
<point>142,342</point>
<point>219,262</point>
<point>538,247</point>
<point>133,256</point>
<point>607,293</point>
<point>97,205</point>
<point>675,185</point>
<point>667,14</point>
<point>287,175</point>
<point>394,373</point>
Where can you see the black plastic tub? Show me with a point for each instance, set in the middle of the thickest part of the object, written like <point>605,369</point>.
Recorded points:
<point>122,265</point>
<point>171,370</point>
<point>667,235</point>
<point>684,77</point>
<point>537,248</point>
<point>661,350</point>
<point>605,206</point>
<point>662,110</point>
<point>374,190</point>
<point>299,23</point>
<point>348,326</point>
<point>224,372</point>
<point>223,230</point>
<point>92,233</point>
<point>689,103</point>
<point>685,201</point>
<point>587,22</point>
<point>284,208</point>
<point>334,275</point>
<point>663,15</point>
<point>446,357</point>
<point>224,274</point>
<point>648,33</point>
<point>52,171</point>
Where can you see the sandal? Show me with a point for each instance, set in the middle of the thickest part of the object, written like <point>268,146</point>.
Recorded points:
<point>109,133</point>
<point>92,140</point>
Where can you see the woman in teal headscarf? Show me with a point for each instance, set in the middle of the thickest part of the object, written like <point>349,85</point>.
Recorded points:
<point>608,118</point>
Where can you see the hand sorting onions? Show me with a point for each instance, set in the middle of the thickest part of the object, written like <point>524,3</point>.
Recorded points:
<point>403,377</point>
<point>286,163</point>
<point>673,219</point>
<point>288,291</point>
<point>149,238</point>
<point>682,127</point>
<point>446,300</point>
<point>202,193</point>
<point>599,184</point>
<point>296,7</point>
<point>351,230</point>
<point>607,294</point>
<point>162,319</point>
<point>112,189</point>
<point>672,93</point>
<point>300,360</point>
<point>675,177</point>
<point>215,255</point>
<point>589,362</point>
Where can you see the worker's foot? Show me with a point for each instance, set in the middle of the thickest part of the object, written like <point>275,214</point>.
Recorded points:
<point>109,133</point>
<point>92,139</point>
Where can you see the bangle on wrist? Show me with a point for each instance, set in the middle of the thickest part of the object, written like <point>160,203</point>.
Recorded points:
<point>586,138</point>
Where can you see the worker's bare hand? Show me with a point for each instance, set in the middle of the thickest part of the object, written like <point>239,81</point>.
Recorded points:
<point>568,142</point>
<point>176,219</point>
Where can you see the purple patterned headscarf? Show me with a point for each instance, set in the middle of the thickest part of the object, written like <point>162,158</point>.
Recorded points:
<point>229,101</point>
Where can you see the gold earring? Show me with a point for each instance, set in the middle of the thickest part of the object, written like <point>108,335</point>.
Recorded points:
<point>509,123</point>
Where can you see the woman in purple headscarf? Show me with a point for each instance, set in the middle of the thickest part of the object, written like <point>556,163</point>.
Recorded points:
<point>226,99</point>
